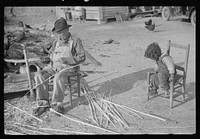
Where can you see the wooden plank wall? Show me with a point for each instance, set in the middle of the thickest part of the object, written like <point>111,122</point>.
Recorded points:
<point>60,12</point>
<point>108,12</point>
<point>92,12</point>
<point>17,83</point>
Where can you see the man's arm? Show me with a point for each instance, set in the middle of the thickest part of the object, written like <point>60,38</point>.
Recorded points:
<point>49,44</point>
<point>78,51</point>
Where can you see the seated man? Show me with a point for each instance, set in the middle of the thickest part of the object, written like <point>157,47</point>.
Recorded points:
<point>65,50</point>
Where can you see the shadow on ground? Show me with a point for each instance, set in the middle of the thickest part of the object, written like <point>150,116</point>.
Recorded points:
<point>127,82</point>
<point>190,93</point>
<point>180,19</point>
<point>116,86</point>
<point>13,95</point>
<point>121,84</point>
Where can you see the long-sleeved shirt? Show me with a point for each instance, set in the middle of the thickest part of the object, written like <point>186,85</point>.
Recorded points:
<point>169,62</point>
<point>64,53</point>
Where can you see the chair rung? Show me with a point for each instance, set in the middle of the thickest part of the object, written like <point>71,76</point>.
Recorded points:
<point>178,46</point>
<point>179,68</point>
<point>73,79</point>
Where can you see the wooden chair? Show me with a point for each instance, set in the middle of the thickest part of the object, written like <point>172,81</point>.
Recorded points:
<point>180,78</point>
<point>73,78</point>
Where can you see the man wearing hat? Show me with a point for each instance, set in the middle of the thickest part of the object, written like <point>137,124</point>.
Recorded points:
<point>65,50</point>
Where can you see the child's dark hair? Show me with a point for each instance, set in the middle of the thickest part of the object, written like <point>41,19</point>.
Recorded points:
<point>153,51</point>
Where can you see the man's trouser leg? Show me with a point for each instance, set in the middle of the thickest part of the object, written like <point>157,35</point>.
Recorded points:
<point>59,88</point>
<point>42,89</point>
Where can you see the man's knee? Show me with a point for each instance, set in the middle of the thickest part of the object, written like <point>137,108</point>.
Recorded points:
<point>37,74</point>
<point>57,77</point>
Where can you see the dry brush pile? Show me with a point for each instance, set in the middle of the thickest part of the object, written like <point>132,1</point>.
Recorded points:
<point>17,32</point>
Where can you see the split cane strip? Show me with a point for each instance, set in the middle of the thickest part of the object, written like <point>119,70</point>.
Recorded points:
<point>122,106</point>
<point>82,122</point>
<point>52,76</point>
<point>76,132</point>
<point>9,132</point>
<point>51,129</point>
<point>25,112</point>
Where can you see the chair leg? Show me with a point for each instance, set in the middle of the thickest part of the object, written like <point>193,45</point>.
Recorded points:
<point>78,81</point>
<point>148,85</point>
<point>171,93</point>
<point>183,91</point>
<point>70,91</point>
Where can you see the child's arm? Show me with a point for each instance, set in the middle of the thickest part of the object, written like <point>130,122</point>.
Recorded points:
<point>170,65</point>
<point>156,67</point>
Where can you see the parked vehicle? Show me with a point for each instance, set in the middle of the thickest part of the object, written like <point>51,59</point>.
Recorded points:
<point>188,12</point>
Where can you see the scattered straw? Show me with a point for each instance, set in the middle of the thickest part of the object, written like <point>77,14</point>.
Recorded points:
<point>82,122</point>
<point>25,112</point>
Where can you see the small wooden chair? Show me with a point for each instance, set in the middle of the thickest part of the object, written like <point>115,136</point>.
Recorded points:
<point>73,78</point>
<point>179,79</point>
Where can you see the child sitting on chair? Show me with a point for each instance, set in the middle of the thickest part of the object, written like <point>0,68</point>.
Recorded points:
<point>164,68</point>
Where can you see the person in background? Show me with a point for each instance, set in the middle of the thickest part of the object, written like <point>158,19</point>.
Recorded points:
<point>164,68</point>
<point>65,50</point>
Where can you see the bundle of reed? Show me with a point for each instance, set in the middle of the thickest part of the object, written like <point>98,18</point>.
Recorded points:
<point>105,113</point>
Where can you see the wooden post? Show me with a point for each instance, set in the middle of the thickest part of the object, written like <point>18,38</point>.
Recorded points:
<point>99,15</point>
<point>153,8</point>
<point>29,75</point>
<point>148,77</point>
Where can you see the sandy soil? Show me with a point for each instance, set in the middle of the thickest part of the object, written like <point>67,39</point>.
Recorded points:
<point>124,69</point>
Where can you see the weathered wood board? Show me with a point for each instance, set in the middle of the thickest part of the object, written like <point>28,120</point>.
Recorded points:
<point>17,82</point>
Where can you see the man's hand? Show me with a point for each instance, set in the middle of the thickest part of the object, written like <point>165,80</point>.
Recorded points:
<point>45,60</point>
<point>65,60</point>
<point>171,78</point>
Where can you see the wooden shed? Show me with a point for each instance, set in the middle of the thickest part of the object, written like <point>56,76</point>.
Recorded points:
<point>99,13</point>
<point>102,13</point>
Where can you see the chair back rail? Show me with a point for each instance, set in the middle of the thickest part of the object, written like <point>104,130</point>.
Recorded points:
<point>187,49</point>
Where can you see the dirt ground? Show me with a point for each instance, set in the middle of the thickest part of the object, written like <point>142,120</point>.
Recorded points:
<point>124,69</point>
